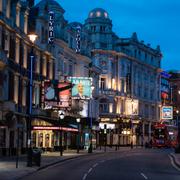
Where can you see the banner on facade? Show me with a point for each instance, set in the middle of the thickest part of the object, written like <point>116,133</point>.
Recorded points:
<point>56,95</point>
<point>82,87</point>
<point>51,27</point>
<point>167,112</point>
<point>132,107</point>
<point>65,95</point>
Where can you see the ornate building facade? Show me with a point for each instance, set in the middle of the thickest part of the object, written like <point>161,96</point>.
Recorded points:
<point>125,72</point>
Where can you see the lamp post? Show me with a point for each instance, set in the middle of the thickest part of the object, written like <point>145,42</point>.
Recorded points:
<point>78,137</point>
<point>177,114</point>
<point>61,117</point>
<point>91,112</point>
<point>32,38</point>
<point>131,124</point>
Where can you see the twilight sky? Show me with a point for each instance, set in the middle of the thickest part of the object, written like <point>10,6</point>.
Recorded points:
<point>156,22</point>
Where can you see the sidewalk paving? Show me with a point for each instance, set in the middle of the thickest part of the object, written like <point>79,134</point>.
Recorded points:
<point>8,170</point>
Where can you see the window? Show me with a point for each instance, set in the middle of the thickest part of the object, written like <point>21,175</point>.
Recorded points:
<point>12,48</point>
<point>93,28</point>
<point>122,86</point>
<point>103,45</point>
<point>102,83</point>
<point>70,70</point>
<point>139,91</point>
<point>1,5</point>
<point>3,40</point>
<point>71,42</point>
<point>11,86</point>
<point>135,53</point>
<point>145,56</point>
<point>24,90</point>
<point>103,107</point>
<point>102,28</point>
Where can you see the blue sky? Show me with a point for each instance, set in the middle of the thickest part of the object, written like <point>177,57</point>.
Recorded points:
<point>156,22</point>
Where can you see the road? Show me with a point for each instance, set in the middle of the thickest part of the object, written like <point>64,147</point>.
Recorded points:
<point>136,164</point>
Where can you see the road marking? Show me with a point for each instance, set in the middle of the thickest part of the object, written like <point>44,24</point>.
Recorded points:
<point>173,164</point>
<point>84,177</point>
<point>145,177</point>
<point>89,170</point>
<point>102,161</point>
<point>95,165</point>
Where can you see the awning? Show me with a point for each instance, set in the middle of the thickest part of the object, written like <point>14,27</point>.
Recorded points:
<point>54,128</point>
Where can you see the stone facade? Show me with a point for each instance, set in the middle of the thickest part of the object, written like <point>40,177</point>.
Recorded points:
<point>125,72</point>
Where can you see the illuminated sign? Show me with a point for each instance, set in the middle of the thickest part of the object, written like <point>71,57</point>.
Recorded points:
<point>54,128</point>
<point>78,39</point>
<point>51,27</point>
<point>64,96</point>
<point>56,94</point>
<point>50,91</point>
<point>167,112</point>
<point>82,87</point>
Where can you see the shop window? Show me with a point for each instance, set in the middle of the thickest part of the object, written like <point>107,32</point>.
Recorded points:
<point>40,140</point>
<point>47,140</point>
<point>34,139</point>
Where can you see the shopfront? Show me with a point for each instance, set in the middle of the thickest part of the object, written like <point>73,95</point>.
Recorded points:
<point>46,135</point>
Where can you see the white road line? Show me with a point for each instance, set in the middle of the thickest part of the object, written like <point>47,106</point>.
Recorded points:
<point>95,165</point>
<point>102,161</point>
<point>145,177</point>
<point>89,170</point>
<point>84,177</point>
<point>172,162</point>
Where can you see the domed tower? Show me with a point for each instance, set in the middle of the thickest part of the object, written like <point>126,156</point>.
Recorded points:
<point>99,28</point>
<point>42,18</point>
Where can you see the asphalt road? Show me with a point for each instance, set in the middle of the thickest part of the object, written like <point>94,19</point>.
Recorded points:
<point>136,164</point>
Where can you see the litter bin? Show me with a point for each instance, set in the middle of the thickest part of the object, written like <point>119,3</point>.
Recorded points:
<point>177,149</point>
<point>36,156</point>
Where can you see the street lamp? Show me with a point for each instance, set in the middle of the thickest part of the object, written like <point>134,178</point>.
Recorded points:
<point>61,117</point>
<point>32,38</point>
<point>131,122</point>
<point>177,112</point>
<point>78,138</point>
<point>90,147</point>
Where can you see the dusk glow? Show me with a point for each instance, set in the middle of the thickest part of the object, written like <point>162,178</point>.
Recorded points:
<point>156,22</point>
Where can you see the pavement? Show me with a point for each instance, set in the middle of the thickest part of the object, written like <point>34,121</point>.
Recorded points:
<point>9,169</point>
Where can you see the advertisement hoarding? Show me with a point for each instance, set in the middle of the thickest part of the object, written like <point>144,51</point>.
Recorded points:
<point>167,112</point>
<point>81,87</point>
<point>54,97</point>
<point>64,96</point>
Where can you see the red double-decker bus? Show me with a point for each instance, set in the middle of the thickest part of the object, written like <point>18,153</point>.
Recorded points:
<point>165,135</point>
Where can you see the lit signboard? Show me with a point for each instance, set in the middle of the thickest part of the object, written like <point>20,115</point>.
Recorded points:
<point>167,112</point>
<point>82,87</point>
<point>50,91</point>
<point>64,96</point>
<point>56,94</point>
<point>51,27</point>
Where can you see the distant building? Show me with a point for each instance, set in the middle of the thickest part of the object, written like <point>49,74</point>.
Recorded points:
<point>175,92</point>
<point>130,79</point>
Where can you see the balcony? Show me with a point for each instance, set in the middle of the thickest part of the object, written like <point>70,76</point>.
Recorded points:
<point>109,92</point>
<point>9,106</point>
